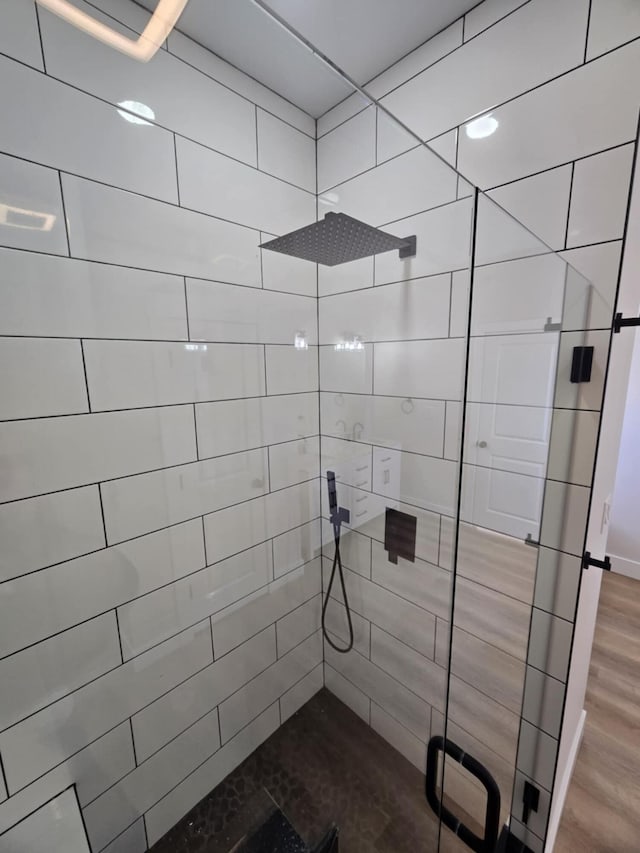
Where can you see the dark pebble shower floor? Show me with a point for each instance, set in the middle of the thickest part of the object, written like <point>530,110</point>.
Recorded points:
<point>323,766</point>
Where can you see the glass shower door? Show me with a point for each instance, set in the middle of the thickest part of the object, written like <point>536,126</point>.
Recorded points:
<point>533,388</point>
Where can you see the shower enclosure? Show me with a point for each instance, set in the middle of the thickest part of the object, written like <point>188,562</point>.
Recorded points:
<point>174,395</point>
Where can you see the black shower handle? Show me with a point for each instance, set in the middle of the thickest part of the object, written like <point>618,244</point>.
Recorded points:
<point>333,496</point>
<point>487,844</point>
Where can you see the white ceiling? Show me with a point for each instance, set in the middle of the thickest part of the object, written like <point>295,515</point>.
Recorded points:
<point>363,37</point>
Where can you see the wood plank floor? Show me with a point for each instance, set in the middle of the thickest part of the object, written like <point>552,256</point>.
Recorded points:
<point>602,812</point>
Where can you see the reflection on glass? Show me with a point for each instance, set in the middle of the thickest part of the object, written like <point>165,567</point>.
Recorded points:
<point>352,343</point>
<point>136,112</point>
<point>32,220</point>
<point>481,127</point>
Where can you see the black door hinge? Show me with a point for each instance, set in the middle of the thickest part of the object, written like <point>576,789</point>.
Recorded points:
<point>588,560</point>
<point>619,322</point>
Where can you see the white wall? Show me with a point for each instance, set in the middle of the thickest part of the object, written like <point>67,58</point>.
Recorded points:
<point>624,538</point>
<point>159,511</point>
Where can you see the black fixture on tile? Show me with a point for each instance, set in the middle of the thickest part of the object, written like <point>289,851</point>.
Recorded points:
<point>337,516</point>
<point>621,322</point>
<point>588,560</point>
<point>530,800</point>
<point>400,535</point>
<point>339,238</point>
<point>581,364</point>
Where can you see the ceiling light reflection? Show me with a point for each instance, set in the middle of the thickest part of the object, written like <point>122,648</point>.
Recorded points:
<point>135,112</point>
<point>482,127</point>
<point>350,344</point>
<point>33,220</point>
<point>142,48</point>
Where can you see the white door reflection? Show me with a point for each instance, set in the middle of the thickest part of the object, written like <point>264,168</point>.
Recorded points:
<point>511,388</point>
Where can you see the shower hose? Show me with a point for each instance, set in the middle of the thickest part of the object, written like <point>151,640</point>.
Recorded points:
<point>337,517</point>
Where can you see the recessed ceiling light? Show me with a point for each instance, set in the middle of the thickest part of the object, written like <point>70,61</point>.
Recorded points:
<point>136,113</point>
<point>481,127</point>
<point>144,47</point>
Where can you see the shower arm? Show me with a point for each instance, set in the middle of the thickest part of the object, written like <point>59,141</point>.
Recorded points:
<point>144,47</point>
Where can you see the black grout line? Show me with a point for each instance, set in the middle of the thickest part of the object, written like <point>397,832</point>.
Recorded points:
<point>115,610</point>
<point>133,745</point>
<point>154,121</point>
<point>112,264</point>
<point>108,731</point>
<point>3,777</point>
<point>172,405</point>
<point>375,140</point>
<point>195,432</point>
<point>41,805</point>
<point>104,524</point>
<point>566,229</point>
<point>158,199</point>
<point>257,144</point>
<point>453,674</point>
<point>561,165</point>
<point>117,266</point>
<point>181,343</point>
<point>586,38</point>
<point>86,381</point>
<point>175,156</point>
<point>115,606</point>
<point>64,212</point>
<point>146,833</point>
<point>38,25</point>
<point>156,530</point>
<point>501,104</point>
<point>264,361</point>
<point>213,654</point>
<point>261,252</point>
<point>186,307</point>
<point>204,541</point>
<point>106,480</point>
<point>217,707</point>
<point>74,786</point>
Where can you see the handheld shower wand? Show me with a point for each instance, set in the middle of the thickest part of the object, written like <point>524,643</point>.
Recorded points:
<point>337,515</point>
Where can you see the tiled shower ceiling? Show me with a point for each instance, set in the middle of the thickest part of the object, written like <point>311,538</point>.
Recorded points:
<point>362,36</point>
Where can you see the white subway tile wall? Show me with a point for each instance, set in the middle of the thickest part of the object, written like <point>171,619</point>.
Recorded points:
<point>162,436</point>
<point>149,365</point>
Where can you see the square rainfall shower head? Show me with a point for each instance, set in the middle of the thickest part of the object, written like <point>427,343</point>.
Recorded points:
<point>339,238</point>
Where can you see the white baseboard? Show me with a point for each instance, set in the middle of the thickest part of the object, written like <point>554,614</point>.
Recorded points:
<point>562,787</point>
<point>623,566</point>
